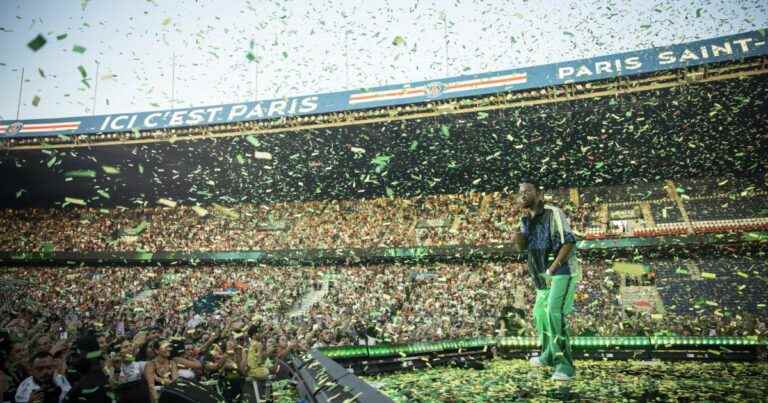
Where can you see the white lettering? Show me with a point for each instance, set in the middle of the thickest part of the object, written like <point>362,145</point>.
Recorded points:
<point>256,112</point>
<point>704,52</point>
<point>617,63</point>
<point>148,120</point>
<point>196,117</point>
<point>212,113</point>
<point>106,122</point>
<point>277,107</point>
<point>725,49</point>
<point>583,71</point>
<point>292,108</point>
<point>743,43</point>
<point>237,110</point>
<point>667,57</point>
<point>308,105</point>
<point>688,55</point>
<point>177,118</point>
<point>632,63</point>
<point>562,72</point>
<point>132,122</point>
<point>115,125</point>
<point>603,67</point>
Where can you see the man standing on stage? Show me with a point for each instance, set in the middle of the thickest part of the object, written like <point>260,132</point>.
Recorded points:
<point>552,264</point>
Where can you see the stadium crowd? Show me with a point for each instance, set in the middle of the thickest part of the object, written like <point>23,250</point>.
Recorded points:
<point>434,220</point>
<point>138,313</point>
<point>437,220</point>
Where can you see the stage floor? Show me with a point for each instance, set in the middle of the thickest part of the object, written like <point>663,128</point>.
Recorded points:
<point>515,380</point>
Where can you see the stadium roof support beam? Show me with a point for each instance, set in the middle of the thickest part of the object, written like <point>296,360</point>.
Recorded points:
<point>672,191</point>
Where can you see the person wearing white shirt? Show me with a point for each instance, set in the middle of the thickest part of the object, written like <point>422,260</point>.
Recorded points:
<point>45,385</point>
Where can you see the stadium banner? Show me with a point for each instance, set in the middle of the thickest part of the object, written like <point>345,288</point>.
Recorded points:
<point>720,49</point>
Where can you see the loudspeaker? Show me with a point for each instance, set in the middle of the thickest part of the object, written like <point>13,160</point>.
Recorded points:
<point>184,391</point>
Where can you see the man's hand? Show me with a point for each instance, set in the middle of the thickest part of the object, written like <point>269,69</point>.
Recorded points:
<point>37,397</point>
<point>551,269</point>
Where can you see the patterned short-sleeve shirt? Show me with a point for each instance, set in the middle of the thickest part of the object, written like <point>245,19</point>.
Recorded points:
<point>545,233</point>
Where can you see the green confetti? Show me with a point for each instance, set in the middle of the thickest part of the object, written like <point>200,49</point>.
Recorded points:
<point>110,170</point>
<point>200,211</point>
<point>262,155</point>
<point>78,49</point>
<point>103,194</point>
<point>167,202</point>
<point>61,37</point>
<point>167,21</point>
<point>253,141</point>
<point>137,229</point>
<point>72,200</point>
<point>398,41</point>
<point>35,100</point>
<point>81,173</point>
<point>37,43</point>
<point>82,71</point>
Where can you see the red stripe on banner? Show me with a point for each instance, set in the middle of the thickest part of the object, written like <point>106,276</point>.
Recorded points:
<point>37,129</point>
<point>497,81</point>
<point>51,125</point>
<point>358,97</point>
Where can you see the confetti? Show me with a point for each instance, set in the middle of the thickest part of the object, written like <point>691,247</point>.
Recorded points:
<point>72,200</point>
<point>110,170</point>
<point>262,155</point>
<point>37,43</point>
<point>167,203</point>
<point>81,173</point>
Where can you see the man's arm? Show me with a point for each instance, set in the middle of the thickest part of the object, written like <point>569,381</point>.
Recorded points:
<point>562,256</point>
<point>519,236</point>
<point>566,237</point>
<point>518,239</point>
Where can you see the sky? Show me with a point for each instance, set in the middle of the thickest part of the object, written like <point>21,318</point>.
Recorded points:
<point>234,51</point>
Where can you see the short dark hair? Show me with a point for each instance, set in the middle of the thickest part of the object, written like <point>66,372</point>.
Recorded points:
<point>253,330</point>
<point>533,182</point>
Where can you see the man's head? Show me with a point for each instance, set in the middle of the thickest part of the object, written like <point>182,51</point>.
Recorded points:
<point>43,367</point>
<point>529,193</point>
<point>253,331</point>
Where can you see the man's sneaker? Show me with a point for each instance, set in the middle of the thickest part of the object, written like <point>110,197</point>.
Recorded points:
<point>559,376</point>
<point>535,362</point>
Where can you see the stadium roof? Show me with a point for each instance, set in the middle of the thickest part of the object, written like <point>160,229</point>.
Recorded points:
<point>712,126</point>
<point>628,64</point>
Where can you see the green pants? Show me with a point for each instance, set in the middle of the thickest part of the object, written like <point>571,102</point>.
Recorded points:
<point>549,316</point>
